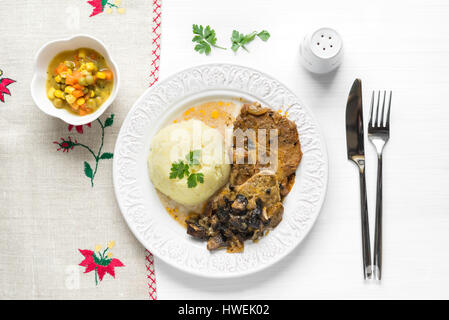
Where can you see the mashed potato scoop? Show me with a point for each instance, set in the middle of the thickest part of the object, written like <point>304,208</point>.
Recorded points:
<point>191,148</point>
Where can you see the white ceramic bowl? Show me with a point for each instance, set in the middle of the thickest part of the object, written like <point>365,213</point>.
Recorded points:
<point>38,83</point>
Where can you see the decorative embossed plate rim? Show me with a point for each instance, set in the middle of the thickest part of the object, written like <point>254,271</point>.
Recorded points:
<point>143,211</point>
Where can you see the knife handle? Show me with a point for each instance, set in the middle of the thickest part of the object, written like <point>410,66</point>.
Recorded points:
<point>367,267</point>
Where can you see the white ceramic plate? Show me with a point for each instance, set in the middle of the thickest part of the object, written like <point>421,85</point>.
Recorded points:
<point>141,207</point>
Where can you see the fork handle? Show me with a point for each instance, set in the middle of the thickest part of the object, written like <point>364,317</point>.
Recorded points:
<point>367,268</point>
<point>378,225</point>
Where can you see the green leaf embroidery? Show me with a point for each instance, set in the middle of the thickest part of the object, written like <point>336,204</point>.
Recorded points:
<point>68,144</point>
<point>107,155</point>
<point>103,3</point>
<point>109,121</point>
<point>88,170</point>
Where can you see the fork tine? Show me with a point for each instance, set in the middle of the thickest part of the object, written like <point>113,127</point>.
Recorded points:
<point>388,111</point>
<point>377,110</point>
<point>383,111</point>
<point>370,123</point>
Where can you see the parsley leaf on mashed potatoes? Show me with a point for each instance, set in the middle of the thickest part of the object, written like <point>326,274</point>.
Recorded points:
<point>173,143</point>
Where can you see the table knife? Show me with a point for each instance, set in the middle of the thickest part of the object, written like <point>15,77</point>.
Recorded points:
<point>356,153</point>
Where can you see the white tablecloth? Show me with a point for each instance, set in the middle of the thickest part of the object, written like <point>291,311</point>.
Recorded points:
<point>397,45</point>
<point>48,210</point>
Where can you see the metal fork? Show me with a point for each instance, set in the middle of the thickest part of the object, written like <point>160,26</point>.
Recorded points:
<point>378,134</point>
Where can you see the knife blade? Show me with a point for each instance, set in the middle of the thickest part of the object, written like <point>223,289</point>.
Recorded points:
<point>354,123</point>
<point>356,153</point>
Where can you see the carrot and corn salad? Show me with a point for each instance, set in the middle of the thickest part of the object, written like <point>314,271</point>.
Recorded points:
<point>79,81</point>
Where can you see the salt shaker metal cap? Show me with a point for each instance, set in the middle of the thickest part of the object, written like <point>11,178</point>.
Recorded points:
<point>321,51</point>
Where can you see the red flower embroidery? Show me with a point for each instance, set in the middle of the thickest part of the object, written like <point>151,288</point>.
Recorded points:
<point>79,129</point>
<point>3,84</point>
<point>66,145</point>
<point>98,7</point>
<point>100,262</point>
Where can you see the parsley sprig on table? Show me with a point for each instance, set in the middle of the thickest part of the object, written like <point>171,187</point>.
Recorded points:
<point>180,169</point>
<point>205,39</point>
<point>239,40</point>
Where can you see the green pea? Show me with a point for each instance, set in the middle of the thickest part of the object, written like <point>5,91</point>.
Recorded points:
<point>97,92</point>
<point>98,101</point>
<point>82,81</point>
<point>91,103</point>
<point>101,83</point>
<point>89,79</point>
<point>58,103</point>
<point>70,64</point>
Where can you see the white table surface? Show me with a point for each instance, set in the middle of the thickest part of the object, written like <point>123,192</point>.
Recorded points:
<point>397,45</point>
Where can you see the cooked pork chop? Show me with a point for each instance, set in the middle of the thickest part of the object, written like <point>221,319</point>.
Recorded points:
<point>251,203</point>
<point>289,148</point>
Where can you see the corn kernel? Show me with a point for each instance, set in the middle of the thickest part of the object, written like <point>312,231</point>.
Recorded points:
<point>121,10</point>
<point>92,93</point>
<point>90,66</point>
<point>80,101</point>
<point>59,94</point>
<point>70,99</point>
<point>101,75</point>
<point>82,53</point>
<point>69,89</point>
<point>51,93</point>
<point>58,78</point>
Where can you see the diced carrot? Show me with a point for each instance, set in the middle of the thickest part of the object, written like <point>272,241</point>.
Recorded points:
<point>77,93</point>
<point>61,68</point>
<point>82,112</point>
<point>76,74</point>
<point>108,74</point>
<point>77,86</point>
<point>71,80</point>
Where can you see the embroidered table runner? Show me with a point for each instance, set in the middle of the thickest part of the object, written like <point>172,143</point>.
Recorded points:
<point>62,234</point>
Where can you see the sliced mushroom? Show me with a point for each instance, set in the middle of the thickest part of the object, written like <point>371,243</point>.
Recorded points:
<point>216,242</point>
<point>196,231</point>
<point>256,109</point>
<point>239,204</point>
